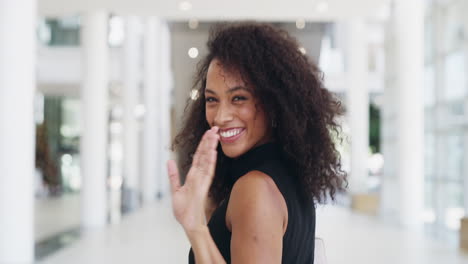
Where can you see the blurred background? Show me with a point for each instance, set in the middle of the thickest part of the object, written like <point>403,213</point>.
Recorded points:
<point>92,92</point>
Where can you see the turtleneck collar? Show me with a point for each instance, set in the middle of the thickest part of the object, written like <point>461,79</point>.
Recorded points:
<point>252,158</point>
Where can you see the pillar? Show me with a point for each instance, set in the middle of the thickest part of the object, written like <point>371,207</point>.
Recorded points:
<point>94,96</point>
<point>17,87</point>
<point>358,104</point>
<point>389,184</point>
<point>151,75</point>
<point>409,56</point>
<point>164,110</point>
<point>130,98</point>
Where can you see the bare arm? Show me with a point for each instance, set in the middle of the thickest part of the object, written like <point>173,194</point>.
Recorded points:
<point>204,248</point>
<point>257,215</point>
<point>189,201</point>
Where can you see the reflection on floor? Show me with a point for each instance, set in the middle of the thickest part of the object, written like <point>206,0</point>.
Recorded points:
<point>52,244</point>
<point>57,223</point>
<point>151,235</point>
<point>55,215</point>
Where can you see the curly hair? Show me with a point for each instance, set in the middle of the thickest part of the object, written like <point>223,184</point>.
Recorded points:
<point>290,88</point>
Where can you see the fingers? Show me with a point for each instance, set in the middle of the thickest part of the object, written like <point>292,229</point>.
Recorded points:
<point>210,165</point>
<point>208,142</point>
<point>204,159</point>
<point>214,143</point>
<point>173,175</point>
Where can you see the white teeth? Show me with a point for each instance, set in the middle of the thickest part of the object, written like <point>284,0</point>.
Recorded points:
<point>230,133</point>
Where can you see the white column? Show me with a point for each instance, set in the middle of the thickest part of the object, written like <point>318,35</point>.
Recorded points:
<point>94,97</point>
<point>130,101</point>
<point>465,163</point>
<point>409,39</point>
<point>17,86</point>
<point>152,72</point>
<point>164,109</point>
<point>358,104</point>
<point>439,199</point>
<point>465,167</point>
<point>389,196</point>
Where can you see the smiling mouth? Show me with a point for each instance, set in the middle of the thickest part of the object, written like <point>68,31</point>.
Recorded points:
<point>231,135</point>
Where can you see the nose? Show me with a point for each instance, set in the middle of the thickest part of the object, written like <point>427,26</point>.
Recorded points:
<point>223,115</point>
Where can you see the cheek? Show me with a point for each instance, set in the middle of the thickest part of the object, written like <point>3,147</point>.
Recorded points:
<point>261,122</point>
<point>255,118</point>
<point>209,115</point>
<point>247,114</point>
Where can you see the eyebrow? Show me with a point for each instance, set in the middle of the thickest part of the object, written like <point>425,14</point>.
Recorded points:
<point>231,90</point>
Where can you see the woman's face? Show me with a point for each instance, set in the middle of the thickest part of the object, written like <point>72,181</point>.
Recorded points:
<point>232,106</point>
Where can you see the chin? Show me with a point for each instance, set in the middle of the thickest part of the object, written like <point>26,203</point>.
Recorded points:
<point>233,151</point>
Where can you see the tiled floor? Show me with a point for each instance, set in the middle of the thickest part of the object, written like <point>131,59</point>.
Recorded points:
<point>151,235</point>
<point>355,238</point>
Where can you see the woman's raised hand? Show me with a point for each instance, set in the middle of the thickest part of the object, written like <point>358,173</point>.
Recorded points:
<point>188,201</point>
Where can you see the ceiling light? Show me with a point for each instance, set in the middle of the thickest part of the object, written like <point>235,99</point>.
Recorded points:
<point>300,23</point>
<point>322,7</point>
<point>193,53</point>
<point>116,31</point>
<point>185,6</point>
<point>302,50</point>
<point>193,23</point>
<point>116,127</point>
<point>139,111</point>
<point>194,94</point>
<point>117,112</point>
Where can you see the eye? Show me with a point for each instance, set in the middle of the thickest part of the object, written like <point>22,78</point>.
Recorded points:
<point>239,98</point>
<point>210,99</point>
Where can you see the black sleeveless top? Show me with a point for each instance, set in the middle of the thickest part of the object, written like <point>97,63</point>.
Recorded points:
<point>298,240</point>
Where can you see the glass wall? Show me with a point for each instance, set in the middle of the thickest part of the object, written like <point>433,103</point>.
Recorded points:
<point>57,145</point>
<point>445,91</point>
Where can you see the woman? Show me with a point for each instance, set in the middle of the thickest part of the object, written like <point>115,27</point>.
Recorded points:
<point>251,198</point>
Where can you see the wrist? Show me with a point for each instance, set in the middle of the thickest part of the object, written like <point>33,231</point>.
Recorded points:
<point>194,233</point>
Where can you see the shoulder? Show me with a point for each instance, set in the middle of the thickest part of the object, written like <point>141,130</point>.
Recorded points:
<point>257,219</point>
<point>255,198</point>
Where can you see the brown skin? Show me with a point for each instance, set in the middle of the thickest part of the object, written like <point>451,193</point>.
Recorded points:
<point>257,214</point>
<point>188,200</point>
<point>290,89</point>
<point>230,103</point>
<point>285,84</point>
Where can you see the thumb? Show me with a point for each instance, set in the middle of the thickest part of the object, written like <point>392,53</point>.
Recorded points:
<point>173,175</point>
